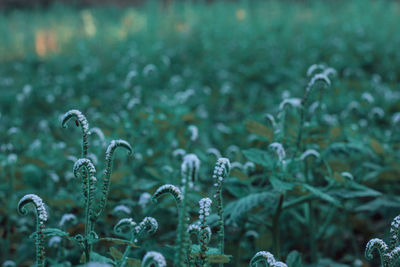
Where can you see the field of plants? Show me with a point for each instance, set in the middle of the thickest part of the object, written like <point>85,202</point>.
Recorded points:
<point>248,133</point>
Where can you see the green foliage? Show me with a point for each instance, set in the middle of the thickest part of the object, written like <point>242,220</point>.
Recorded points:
<point>314,152</point>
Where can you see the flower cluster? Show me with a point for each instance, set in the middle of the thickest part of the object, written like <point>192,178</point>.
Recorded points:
<point>196,230</point>
<point>221,170</point>
<point>190,169</point>
<point>205,207</point>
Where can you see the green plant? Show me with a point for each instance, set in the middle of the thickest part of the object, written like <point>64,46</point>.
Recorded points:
<point>267,258</point>
<point>84,169</point>
<point>389,254</point>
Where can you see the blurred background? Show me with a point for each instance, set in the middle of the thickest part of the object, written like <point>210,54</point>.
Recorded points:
<point>147,71</point>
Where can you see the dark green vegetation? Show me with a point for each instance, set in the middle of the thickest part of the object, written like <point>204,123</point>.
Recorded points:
<point>146,75</point>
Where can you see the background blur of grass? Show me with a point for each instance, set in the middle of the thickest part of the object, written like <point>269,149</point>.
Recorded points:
<point>212,65</point>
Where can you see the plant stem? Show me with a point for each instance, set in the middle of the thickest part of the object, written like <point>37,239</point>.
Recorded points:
<point>276,228</point>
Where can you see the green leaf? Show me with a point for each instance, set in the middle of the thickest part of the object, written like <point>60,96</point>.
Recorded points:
<point>318,193</point>
<point>294,259</point>
<point>115,253</point>
<point>279,185</point>
<point>100,258</point>
<point>236,210</point>
<point>258,156</point>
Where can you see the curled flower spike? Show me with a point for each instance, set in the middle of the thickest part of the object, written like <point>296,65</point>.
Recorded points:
<point>82,121</point>
<point>214,151</point>
<point>84,163</point>
<point>318,77</point>
<point>190,169</point>
<point>88,181</point>
<point>396,118</point>
<point>271,120</point>
<point>367,97</point>
<point>204,212</point>
<point>280,151</point>
<point>292,102</point>
<point>144,200</point>
<point>99,133</point>
<point>376,112</point>
<point>267,258</point>
<point>179,152</point>
<point>347,175</point>
<point>221,172</point>
<point>315,67</point>
<point>153,258</point>
<point>381,247</point>
<point>66,218</point>
<point>168,189</point>
<point>107,172</point>
<point>395,232</point>
<point>308,153</point>
<point>41,218</point>
<point>148,224</point>
<point>194,131</point>
<point>122,209</point>
<point>394,256</point>
<point>195,229</point>
<point>125,222</point>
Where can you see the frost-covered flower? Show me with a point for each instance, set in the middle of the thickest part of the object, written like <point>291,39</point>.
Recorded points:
<point>309,152</point>
<point>66,218</point>
<point>347,175</point>
<point>149,69</point>
<point>190,169</point>
<point>280,151</point>
<point>367,97</point>
<point>221,170</point>
<point>194,131</point>
<point>37,201</point>
<point>9,263</point>
<point>178,152</point>
<point>293,102</point>
<point>205,208</point>
<point>148,224</point>
<point>54,241</point>
<point>266,257</point>
<point>214,151</point>
<point>171,189</point>
<point>154,257</point>
<point>144,199</point>
<point>376,112</point>
<point>122,209</point>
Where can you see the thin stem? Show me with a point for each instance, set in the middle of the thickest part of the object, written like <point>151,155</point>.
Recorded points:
<point>276,228</point>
